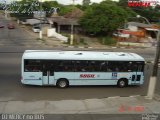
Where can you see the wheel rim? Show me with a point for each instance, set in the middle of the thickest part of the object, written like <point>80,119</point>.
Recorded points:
<point>122,83</point>
<point>62,84</point>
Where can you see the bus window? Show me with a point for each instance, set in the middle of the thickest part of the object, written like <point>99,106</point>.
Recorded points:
<point>103,66</point>
<point>118,66</point>
<point>111,66</point>
<point>65,66</point>
<point>32,66</point>
<point>82,66</point>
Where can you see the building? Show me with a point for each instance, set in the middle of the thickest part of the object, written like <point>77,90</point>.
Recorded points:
<point>67,22</point>
<point>138,32</point>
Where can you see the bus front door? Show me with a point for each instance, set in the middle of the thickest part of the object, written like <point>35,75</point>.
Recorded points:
<point>136,76</point>
<point>48,75</point>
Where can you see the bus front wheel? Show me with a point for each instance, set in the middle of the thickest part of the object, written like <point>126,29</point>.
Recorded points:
<point>122,83</point>
<point>62,83</point>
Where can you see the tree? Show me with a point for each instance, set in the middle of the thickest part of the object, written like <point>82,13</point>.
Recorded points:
<point>103,18</point>
<point>123,3</point>
<point>86,2</point>
<point>82,7</point>
<point>151,13</point>
<point>66,9</point>
<point>50,6</point>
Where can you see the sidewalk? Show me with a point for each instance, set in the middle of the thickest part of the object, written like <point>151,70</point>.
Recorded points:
<point>111,105</point>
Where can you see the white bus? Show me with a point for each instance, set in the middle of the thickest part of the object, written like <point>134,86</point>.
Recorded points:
<point>66,68</point>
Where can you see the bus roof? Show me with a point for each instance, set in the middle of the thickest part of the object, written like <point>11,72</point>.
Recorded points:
<point>80,55</point>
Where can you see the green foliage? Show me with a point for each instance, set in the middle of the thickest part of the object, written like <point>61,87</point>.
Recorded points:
<point>48,6</point>
<point>151,13</point>
<point>123,3</point>
<point>86,2</point>
<point>82,7</point>
<point>66,9</point>
<point>108,41</point>
<point>130,12</point>
<point>103,18</point>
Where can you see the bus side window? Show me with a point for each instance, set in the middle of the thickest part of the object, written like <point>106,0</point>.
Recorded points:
<point>129,67</point>
<point>109,70</point>
<point>32,66</point>
<point>110,67</point>
<point>26,68</point>
<point>103,66</point>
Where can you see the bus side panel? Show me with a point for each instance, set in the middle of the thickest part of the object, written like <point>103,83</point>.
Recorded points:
<point>126,75</point>
<point>96,78</point>
<point>66,75</point>
<point>32,78</point>
<point>87,78</point>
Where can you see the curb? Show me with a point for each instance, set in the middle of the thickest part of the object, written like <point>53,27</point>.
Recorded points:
<point>107,47</point>
<point>131,96</point>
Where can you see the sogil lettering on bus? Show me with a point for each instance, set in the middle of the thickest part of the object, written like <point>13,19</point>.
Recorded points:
<point>87,75</point>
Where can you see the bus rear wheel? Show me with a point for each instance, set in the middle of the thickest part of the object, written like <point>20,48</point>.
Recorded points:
<point>62,83</point>
<point>122,83</point>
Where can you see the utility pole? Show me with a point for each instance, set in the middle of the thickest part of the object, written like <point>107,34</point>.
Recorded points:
<point>72,35</point>
<point>72,29</point>
<point>73,2</point>
<point>40,32</point>
<point>153,79</point>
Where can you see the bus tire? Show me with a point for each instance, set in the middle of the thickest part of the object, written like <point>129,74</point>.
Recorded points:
<point>122,83</point>
<point>62,83</point>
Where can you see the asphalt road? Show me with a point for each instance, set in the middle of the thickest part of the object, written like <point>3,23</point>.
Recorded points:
<point>12,45</point>
<point>17,37</point>
<point>12,89</point>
